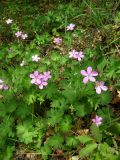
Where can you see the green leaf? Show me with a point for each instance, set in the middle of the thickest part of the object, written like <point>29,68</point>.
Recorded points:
<point>70,94</point>
<point>102,65</point>
<point>26,132</point>
<point>106,114</point>
<point>30,98</point>
<point>71,141</point>
<point>107,152</point>
<point>51,90</point>
<point>66,123</point>
<point>22,110</point>
<point>56,104</point>
<point>59,103</point>
<point>96,132</point>
<point>88,149</point>
<point>45,151</point>
<point>105,98</point>
<point>8,153</point>
<point>2,53</point>
<point>55,141</point>
<point>54,116</point>
<point>80,110</point>
<point>10,106</point>
<point>84,139</point>
<point>115,128</point>
<point>117,17</point>
<point>55,56</point>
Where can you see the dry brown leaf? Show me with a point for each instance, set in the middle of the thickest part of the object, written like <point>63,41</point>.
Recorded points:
<point>116,98</point>
<point>83,131</point>
<point>118,94</point>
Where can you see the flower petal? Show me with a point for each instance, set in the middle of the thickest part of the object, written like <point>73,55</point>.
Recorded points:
<point>94,73</point>
<point>85,80</point>
<point>100,118</point>
<point>102,83</point>
<point>89,70</point>
<point>38,81</point>
<point>104,88</point>
<point>92,79</point>
<point>98,123</point>
<point>84,73</point>
<point>98,90</point>
<point>36,73</point>
<point>41,86</point>
<point>44,83</point>
<point>93,120</point>
<point>32,76</point>
<point>33,81</point>
<point>79,59</point>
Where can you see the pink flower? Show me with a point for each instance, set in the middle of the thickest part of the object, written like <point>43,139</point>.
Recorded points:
<point>47,75</point>
<point>57,40</point>
<point>97,120</point>
<point>18,34</point>
<point>34,77</point>
<point>76,55</point>
<point>24,36</point>
<point>9,21</point>
<point>35,58</point>
<point>6,87</point>
<point>89,75</point>
<point>40,79</point>
<point>100,86</point>
<point>70,27</point>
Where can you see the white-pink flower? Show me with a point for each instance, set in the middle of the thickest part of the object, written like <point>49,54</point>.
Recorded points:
<point>34,77</point>
<point>47,75</point>
<point>24,36</point>
<point>76,55</point>
<point>89,75</point>
<point>6,87</point>
<point>70,27</point>
<point>97,120</point>
<point>100,86</point>
<point>9,21</point>
<point>35,58</point>
<point>57,40</point>
<point>18,33</point>
<point>80,56</point>
<point>73,53</point>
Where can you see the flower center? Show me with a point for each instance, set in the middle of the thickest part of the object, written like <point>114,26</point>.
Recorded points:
<point>98,84</point>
